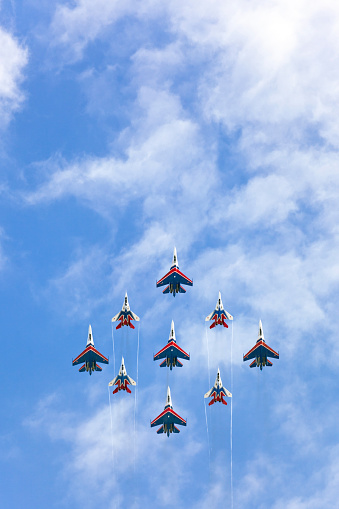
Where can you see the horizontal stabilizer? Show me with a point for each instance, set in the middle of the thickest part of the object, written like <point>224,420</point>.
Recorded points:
<point>269,363</point>
<point>160,430</point>
<point>253,363</point>
<point>166,290</point>
<point>163,364</point>
<point>179,364</point>
<point>181,289</point>
<point>119,326</point>
<point>176,430</point>
<point>211,402</point>
<point>83,368</point>
<point>98,368</point>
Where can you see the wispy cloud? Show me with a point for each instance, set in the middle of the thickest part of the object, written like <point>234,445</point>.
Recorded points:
<point>13,60</point>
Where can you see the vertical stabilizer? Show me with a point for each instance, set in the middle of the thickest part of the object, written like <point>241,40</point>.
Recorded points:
<point>90,340</point>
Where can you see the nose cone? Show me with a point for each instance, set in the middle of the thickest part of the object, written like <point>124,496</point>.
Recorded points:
<point>175,257</point>
<point>90,340</point>
<point>168,398</point>
<point>219,304</point>
<point>261,332</point>
<point>218,381</point>
<point>122,368</point>
<point>172,333</point>
<point>126,305</point>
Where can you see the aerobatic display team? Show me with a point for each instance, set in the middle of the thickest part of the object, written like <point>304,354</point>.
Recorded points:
<point>171,353</point>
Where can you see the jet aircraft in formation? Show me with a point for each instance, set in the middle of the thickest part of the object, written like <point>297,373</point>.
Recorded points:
<point>168,418</point>
<point>218,391</point>
<point>260,352</point>
<point>125,315</point>
<point>219,315</point>
<point>90,356</point>
<point>122,380</point>
<point>171,352</point>
<point>174,278</point>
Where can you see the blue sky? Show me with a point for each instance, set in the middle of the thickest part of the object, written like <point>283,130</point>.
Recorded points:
<point>128,128</point>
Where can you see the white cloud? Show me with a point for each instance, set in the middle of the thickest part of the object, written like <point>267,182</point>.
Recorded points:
<point>100,454</point>
<point>13,59</point>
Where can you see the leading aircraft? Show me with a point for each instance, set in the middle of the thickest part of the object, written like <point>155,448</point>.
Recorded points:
<point>218,391</point>
<point>90,356</point>
<point>174,278</point>
<point>219,315</point>
<point>260,352</point>
<point>122,380</point>
<point>171,352</point>
<point>168,418</point>
<point>125,315</point>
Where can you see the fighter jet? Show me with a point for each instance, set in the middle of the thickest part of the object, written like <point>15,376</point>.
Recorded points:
<point>218,391</point>
<point>260,352</point>
<point>90,356</point>
<point>219,315</point>
<point>174,278</point>
<point>168,418</point>
<point>122,380</point>
<point>125,315</point>
<point>171,352</point>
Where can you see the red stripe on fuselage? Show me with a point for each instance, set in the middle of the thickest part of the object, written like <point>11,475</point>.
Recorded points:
<point>175,269</point>
<point>261,343</point>
<point>90,348</point>
<point>170,410</point>
<point>172,343</point>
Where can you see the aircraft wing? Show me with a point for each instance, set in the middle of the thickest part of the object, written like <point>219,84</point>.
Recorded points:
<point>168,416</point>
<point>252,353</point>
<point>114,381</point>
<point>90,354</point>
<point>226,392</point>
<point>117,316</point>
<point>270,352</point>
<point>130,380</point>
<point>179,278</point>
<point>210,316</point>
<point>134,316</point>
<point>228,315</point>
<point>209,393</point>
<point>174,349</point>
<point>261,349</point>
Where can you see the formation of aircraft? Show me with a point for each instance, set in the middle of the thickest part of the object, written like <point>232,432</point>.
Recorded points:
<point>171,352</point>
<point>122,380</point>
<point>218,391</point>
<point>260,352</point>
<point>90,356</point>
<point>125,315</point>
<point>168,418</point>
<point>219,315</point>
<point>174,278</point>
